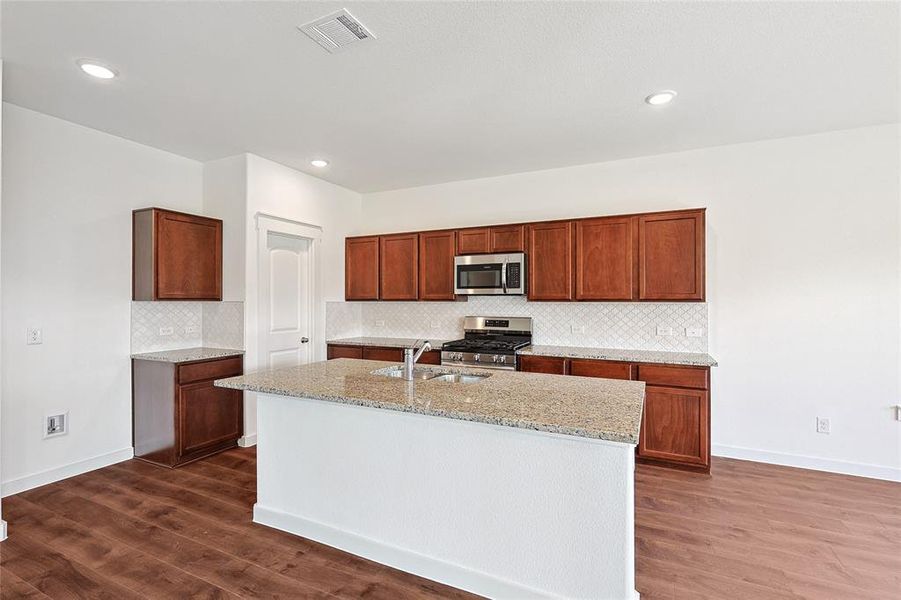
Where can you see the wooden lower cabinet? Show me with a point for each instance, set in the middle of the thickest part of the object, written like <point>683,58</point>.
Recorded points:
<point>433,357</point>
<point>179,415</point>
<point>675,425</point>
<point>542,364</point>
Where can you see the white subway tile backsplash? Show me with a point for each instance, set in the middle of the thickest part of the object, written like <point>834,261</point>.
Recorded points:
<point>629,325</point>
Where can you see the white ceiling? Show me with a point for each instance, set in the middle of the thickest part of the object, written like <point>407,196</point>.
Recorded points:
<point>454,91</point>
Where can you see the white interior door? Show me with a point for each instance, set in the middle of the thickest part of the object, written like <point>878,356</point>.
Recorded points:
<point>286,301</point>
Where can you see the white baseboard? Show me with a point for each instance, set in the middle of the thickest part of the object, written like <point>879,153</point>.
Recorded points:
<point>248,440</point>
<point>808,462</point>
<point>14,486</point>
<point>399,558</point>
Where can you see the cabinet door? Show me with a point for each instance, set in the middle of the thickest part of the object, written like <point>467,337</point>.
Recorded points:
<point>378,353</point>
<point>188,257</point>
<point>675,426</point>
<point>671,256</point>
<point>606,259</point>
<point>542,364</point>
<point>399,266</point>
<point>473,241</point>
<point>550,261</point>
<point>432,357</point>
<point>361,268</point>
<point>600,368</point>
<point>208,416</point>
<point>336,351</point>
<point>436,265</point>
<point>508,238</point>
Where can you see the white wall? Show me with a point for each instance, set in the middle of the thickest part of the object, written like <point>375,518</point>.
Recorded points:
<point>283,192</point>
<point>68,193</point>
<point>803,277</point>
<point>225,197</point>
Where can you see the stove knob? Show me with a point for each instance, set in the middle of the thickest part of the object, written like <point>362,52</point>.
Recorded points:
<point>476,357</point>
<point>494,358</point>
<point>503,359</point>
<point>459,356</point>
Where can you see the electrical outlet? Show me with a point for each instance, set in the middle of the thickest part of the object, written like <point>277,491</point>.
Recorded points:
<point>574,328</point>
<point>55,425</point>
<point>192,329</point>
<point>379,323</point>
<point>33,336</point>
<point>693,332</point>
<point>661,330</point>
<point>823,425</point>
<point>166,331</point>
<point>435,325</point>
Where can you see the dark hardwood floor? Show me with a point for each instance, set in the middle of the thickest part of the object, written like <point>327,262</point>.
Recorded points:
<point>752,531</point>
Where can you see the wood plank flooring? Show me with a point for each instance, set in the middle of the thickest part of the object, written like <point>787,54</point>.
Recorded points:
<point>751,531</point>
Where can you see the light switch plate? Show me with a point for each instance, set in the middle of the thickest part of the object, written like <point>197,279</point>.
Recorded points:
<point>166,331</point>
<point>694,332</point>
<point>661,330</point>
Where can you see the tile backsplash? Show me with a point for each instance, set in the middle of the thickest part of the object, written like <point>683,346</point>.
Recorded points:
<point>214,324</point>
<point>628,325</point>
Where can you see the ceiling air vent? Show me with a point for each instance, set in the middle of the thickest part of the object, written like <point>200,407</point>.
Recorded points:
<point>337,31</point>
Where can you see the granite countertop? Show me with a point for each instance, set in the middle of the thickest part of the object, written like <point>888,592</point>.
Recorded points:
<point>639,356</point>
<point>386,342</point>
<point>604,409</point>
<point>183,355</point>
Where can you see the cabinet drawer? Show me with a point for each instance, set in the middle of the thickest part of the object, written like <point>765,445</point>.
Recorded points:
<point>687,377</point>
<point>389,354</point>
<point>211,369</point>
<point>600,368</point>
<point>542,364</point>
<point>344,351</point>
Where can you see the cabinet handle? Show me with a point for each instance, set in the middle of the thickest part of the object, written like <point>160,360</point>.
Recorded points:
<point>304,340</point>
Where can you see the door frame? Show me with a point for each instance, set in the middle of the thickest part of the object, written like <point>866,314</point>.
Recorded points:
<point>266,224</point>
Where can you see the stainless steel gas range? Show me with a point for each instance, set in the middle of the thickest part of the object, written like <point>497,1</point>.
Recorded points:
<point>489,342</point>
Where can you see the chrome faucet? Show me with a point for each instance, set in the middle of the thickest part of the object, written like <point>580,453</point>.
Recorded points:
<point>410,358</point>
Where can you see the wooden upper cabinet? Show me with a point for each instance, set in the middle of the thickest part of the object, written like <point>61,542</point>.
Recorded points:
<point>550,257</point>
<point>175,256</point>
<point>671,256</point>
<point>474,241</point>
<point>361,268</point>
<point>507,238</point>
<point>606,259</point>
<point>399,266</point>
<point>485,240</point>
<point>436,265</point>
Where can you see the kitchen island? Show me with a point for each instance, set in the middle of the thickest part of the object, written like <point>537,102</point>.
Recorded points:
<point>513,485</point>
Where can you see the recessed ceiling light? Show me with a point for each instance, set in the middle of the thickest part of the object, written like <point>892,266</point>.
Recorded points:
<point>661,97</point>
<point>319,163</point>
<point>95,69</point>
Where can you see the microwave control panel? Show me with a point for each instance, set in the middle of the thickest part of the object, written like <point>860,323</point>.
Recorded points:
<point>513,276</point>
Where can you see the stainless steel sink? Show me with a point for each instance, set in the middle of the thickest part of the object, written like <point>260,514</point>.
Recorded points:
<point>433,374</point>
<point>398,372</point>
<point>461,378</point>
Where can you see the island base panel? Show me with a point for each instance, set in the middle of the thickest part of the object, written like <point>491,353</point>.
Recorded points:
<point>498,511</point>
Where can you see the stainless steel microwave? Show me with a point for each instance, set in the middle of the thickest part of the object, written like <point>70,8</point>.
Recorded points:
<point>490,274</point>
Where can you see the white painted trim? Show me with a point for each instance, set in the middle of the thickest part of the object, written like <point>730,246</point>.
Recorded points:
<point>808,462</point>
<point>3,530</point>
<point>248,440</point>
<point>399,558</point>
<point>28,482</point>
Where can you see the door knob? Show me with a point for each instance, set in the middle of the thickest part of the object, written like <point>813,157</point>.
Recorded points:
<point>304,340</point>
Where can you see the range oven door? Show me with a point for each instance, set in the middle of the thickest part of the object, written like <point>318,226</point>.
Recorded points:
<point>490,274</point>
